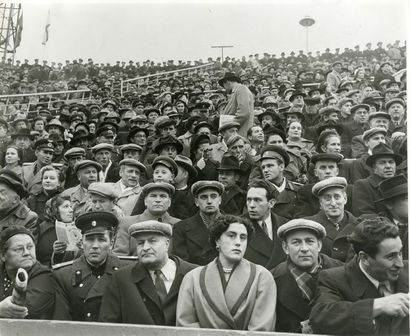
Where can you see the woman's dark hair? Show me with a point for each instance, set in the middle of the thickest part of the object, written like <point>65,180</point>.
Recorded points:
<point>369,233</point>
<point>51,208</point>
<point>222,223</point>
<point>19,153</point>
<point>197,140</point>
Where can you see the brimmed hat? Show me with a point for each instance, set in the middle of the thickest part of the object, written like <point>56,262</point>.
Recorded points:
<point>169,188</point>
<point>331,182</point>
<point>358,106</point>
<point>295,94</point>
<point>130,146</point>
<point>326,157</point>
<point>11,231</point>
<point>328,109</point>
<point>229,76</point>
<point>393,187</point>
<point>96,222</point>
<point>167,140</point>
<point>229,163</point>
<point>370,132</point>
<point>75,151</point>
<point>301,224</point>
<point>186,163</point>
<point>150,226</point>
<point>275,116</point>
<point>13,181</point>
<point>382,150</point>
<point>379,114</point>
<point>102,146</point>
<point>167,162</point>
<point>274,152</point>
<point>56,123</point>
<point>228,125</point>
<point>103,189</point>
<point>135,130</point>
<point>22,132</point>
<point>206,184</point>
<point>85,163</point>
<point>134,163</point>
<point>395,101</point>
<point>81,135</point>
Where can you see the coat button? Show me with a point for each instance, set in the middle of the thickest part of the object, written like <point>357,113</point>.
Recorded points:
<point>80,285</point>
<point>99,276</point>
<point>88,314</point>
<point>115,268</point>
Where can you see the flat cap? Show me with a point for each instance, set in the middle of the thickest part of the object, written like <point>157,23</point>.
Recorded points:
<point>102,146</point>
<point>186,163</point>
<point>370,132</point>
<point>328,109</point>
<point>96,222</point>
<point>167,162</point>
<point>85,163</point>
<point>75,151</point>
<point>150,226</point>
<point>130,146</point>
<point>228,125</point>
<point>11,231</point>
<point>359,106</point>
<point>331,182</point>
<point>169,188</point>
<point>274,152</point>
<point>103,189</point>
<point>379,114</point>
<point>395,101</point>
<point>134,163</point>
<point>206,184</point>
<point>167,140</point>
<point>301,224</point>
<point>234,139</point>
<point>13,181</point>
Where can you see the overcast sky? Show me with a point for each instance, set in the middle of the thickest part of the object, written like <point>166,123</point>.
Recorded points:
<point>111,31</point>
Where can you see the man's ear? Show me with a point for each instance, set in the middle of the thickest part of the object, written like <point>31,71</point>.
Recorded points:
<point>364,257</point>
<point>285,247</point>
<point>271,203</point>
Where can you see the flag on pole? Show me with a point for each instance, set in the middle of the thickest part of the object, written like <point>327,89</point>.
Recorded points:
<point>19,27</point>
<point>47,28</point>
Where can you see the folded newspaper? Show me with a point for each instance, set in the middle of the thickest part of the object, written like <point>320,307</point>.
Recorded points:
<point>68,233</point>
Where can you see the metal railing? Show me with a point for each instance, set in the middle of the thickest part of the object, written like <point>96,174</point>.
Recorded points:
<point>24,101</point>
<point>148,79</point>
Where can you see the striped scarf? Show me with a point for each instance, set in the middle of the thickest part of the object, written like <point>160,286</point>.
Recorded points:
<point>306,282</point>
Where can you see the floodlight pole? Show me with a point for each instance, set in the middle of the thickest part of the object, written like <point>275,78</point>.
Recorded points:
<point>222,47</point>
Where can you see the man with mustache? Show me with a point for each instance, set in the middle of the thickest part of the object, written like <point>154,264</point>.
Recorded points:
<point>382,162</point>
<point>44,150</point>
<point>80,283</point>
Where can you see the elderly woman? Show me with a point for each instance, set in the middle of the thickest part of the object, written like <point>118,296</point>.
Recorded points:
<point>230,292</point>
<point>58,211</point>
<point>17,250</point>
<point>52,180</point>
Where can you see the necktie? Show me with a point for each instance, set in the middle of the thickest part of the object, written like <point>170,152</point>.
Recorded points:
<point>160,286</point>
<point>382,289</point>
<point>265,228</point>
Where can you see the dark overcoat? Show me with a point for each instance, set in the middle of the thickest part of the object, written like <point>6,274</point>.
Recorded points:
<point>131,297</point>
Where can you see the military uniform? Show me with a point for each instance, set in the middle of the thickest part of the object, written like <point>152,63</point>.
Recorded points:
<point>80,288</point>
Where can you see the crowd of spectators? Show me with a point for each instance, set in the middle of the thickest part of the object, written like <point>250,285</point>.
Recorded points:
<point>280,175</point>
